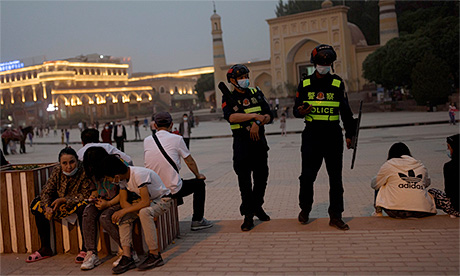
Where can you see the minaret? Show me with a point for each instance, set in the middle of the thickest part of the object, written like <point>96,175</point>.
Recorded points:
<point>218,56</point>
<point>388,21</point>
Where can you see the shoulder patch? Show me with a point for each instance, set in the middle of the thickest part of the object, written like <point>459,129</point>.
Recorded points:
<point>336,83</point>
<point>306,82</point>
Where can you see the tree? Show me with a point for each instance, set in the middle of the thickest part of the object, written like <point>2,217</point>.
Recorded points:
<point>203,84</point>
<point>433,31</point>
<point>429,87</point>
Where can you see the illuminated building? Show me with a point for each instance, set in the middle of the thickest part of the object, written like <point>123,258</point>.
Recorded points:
<point>97,85</point>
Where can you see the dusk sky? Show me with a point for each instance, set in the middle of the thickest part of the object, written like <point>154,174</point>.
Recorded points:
<point>159,36</point>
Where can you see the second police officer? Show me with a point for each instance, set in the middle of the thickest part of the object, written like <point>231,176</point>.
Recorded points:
<point>320,99</point>
<point>247,111</point>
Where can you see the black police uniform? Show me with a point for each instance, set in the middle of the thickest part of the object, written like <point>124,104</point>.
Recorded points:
<point>322,137</point>
<point>248,155</point>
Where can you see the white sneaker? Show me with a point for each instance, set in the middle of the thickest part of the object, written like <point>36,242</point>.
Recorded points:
<point>453,216</point>
<point>117,260</point>
<point>133,255</point>
<point>91,260</point>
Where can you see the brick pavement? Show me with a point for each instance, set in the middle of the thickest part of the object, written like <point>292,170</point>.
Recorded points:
<point>373,246</point>
<point>277,251</point>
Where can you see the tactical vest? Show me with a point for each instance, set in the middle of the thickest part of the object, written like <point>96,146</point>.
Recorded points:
<point>254,107</point>
<point>325,106</point>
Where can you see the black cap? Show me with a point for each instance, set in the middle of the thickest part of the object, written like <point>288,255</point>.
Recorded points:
<point>163,118</point>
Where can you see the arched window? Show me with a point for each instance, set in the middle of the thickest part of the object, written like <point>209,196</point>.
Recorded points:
<point>92,71</point>
<point>216,27</point>
<point>98,71</point>
<point>86,71</point>
<point>162,90</point>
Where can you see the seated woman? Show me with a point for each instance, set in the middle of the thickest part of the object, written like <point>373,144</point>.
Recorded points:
<point>448,201</point>
<point>64,194</point>
<point>401,183</point>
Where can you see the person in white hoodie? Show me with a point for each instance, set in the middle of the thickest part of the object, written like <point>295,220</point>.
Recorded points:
<point>401,184</point>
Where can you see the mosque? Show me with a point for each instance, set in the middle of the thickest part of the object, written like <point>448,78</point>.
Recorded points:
<point>104,87</point>
<point>293,37</point>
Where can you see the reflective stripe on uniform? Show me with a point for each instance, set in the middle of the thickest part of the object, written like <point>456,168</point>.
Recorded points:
<point>323,103</point>
<point>336,83</point>
<point>253,109</point>
<point>306,82</point>
<point>311,117</point>
<point>253,90</point>
<point>235,126</point>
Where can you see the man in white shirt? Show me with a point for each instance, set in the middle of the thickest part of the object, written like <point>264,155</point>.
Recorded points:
<point>90,138</point>
<point>174,146</point>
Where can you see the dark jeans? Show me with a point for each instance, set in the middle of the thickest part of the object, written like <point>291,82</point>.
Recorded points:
<point>187,142</point>
<point>43,227</point>
<point>197,187</point>
<point>318,144</point>
<point>120,143</point>
<point>252,196</point>
<point>89,230</point>
<point>136,133</point>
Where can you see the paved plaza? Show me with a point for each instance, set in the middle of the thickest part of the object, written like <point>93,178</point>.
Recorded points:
<point>386,246</point>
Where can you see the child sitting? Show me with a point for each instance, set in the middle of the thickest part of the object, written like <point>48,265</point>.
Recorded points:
<point>154,201</point>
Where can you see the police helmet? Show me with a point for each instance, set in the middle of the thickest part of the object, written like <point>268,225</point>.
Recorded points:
<point>236,71</point>
<point>323,55</point>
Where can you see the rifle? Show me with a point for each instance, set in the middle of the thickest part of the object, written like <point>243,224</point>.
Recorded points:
<point>354,142</point>
<point>226,92</point>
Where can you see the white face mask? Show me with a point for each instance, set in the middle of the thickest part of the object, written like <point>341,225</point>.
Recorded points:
<point>448,153</point>
<point>106,127</point>
<point>71,173</point>
<point>323,70</point>
<point>185,118</point>
<point>244,83</point>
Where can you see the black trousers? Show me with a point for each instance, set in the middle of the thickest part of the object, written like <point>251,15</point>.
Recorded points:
<point>44,230</point>
<point>120,143</point>
<point>318,144</point>
<point>197,187</point>
<point>252,196</point>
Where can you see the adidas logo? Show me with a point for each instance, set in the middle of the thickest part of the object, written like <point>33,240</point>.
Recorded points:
<point>411,180</point>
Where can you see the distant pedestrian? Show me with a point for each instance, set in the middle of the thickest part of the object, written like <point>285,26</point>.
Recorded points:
<point>80,126</point>
<point>106,134</point>
<point>185,130</point>
<point>146,123</point>
<point>283,124</point>
<point>452,109</point>
<point>67,136</point>
<point>119,135</point>
<point>31,136</point>
<point>62,136</point>
<point>136,129</point>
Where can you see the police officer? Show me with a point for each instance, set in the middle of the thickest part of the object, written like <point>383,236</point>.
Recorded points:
<point>319,100</point>
<point>247,111</point>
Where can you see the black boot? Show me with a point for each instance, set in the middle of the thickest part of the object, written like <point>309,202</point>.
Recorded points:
<point>248,223</point>
<point>339,224</point>
<point>303,217</point>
